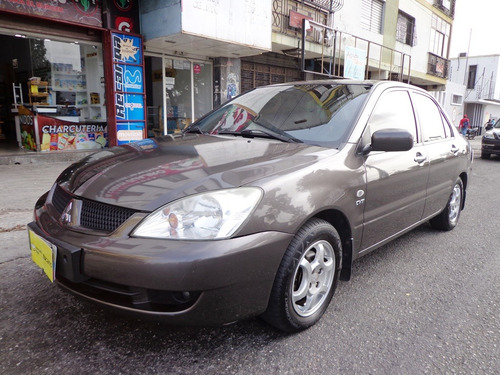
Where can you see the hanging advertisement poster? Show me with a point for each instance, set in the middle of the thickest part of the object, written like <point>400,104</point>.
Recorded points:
<point>37,132</point>
<point>355,63</point>
<point>59,135</point>
<point>25,127</point>
<point>128,79</point>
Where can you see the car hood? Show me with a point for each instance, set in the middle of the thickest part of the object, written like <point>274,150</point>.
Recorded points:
<point>148,174</point>
<point>494,131</point>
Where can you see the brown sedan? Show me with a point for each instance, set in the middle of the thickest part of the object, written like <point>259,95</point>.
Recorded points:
<point>258,208</point>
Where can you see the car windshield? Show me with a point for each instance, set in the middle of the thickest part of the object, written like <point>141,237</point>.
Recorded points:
<point>320,114</point>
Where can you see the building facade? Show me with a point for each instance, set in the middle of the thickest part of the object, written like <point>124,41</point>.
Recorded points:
<point>473,89</point>
<point>222,48</point>
<point>114,72</point>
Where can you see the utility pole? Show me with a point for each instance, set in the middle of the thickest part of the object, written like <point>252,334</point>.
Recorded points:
<point>465,74</point>
<point>467,59</point>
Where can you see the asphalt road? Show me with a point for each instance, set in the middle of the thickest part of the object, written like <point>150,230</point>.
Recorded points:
<point>428,303</point>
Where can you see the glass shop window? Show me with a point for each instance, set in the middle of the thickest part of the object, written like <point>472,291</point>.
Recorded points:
<point>70,77</point>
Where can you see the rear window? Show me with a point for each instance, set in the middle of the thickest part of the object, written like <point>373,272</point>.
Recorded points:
<point>319,114</point>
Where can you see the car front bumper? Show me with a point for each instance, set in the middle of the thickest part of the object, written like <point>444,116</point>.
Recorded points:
<point>185,282</point>
<point>490,146</point>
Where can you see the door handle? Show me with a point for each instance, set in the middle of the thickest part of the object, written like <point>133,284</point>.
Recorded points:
<point>419,158</point>
<point>454,149</point>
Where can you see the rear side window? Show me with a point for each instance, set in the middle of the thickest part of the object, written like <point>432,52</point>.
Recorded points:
<point>429,117</point>
<point>393,111</point>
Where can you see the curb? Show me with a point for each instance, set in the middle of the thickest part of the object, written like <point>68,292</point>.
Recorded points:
<point>26,157</point>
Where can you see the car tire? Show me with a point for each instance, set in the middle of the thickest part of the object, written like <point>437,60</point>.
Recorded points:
<point>306,278</point>
<point>448,218</point>
<point>485,155</point>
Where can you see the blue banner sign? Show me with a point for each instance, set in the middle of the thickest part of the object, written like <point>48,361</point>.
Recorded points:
<point>128,76</point>
<point>127,48</point>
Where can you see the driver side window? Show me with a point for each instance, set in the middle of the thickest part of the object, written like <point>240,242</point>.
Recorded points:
<point>393,111</point>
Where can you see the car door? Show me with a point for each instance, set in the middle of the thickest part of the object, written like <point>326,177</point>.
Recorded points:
<point>441,149</point>
<point>395,181</point>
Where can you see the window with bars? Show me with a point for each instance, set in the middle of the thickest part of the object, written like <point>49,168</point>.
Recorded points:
<point>372,12</point>
<point>440,36</point>
<point>255,75</point>
<point>405,29</point>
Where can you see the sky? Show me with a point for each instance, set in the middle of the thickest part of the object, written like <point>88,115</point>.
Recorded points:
<point>482,17</point>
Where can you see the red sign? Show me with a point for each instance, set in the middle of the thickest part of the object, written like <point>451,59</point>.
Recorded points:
<point>296,20</point>
<point>124,24</point>
<point>83,12</point>
<point>197,68</point>
<point>122,15</point>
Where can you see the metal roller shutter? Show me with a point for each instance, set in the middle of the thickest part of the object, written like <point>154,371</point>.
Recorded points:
<point>372,12</point>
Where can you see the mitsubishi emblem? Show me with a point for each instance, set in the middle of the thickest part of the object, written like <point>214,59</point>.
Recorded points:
<point>66,216</point>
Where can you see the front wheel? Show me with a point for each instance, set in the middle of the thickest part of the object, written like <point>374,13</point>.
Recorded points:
<point>306,279</point>
<point>485,155</point>
<point>448,218</point>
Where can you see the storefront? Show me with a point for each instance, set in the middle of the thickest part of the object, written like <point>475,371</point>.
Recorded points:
<point>180,87</point>
<point>193,52</point>
<point>71,75</point>
<point>61,105</point>
<point>52,86</point>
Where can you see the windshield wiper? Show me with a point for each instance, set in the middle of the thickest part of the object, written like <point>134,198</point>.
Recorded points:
<point>247,133</point>
<point>194,129</point>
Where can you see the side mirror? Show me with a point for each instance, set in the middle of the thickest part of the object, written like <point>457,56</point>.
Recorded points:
<point>390,140</point>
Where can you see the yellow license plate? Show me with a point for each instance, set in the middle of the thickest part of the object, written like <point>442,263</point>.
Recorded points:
<point>44,254</point>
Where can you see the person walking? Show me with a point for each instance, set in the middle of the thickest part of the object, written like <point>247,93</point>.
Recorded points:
<point>464,125</point>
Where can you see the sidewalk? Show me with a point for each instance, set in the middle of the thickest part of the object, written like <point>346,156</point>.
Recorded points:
<point>21,186</point>
<point>10,154</point>
<point>476,146</point>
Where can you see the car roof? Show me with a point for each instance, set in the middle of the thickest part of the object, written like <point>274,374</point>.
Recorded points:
<point>344,81</point>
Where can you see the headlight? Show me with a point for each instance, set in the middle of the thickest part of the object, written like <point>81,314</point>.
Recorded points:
<point>489,135</point>
<point>211,215</point>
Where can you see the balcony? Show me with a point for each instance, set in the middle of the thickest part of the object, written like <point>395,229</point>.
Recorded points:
<point>438,66</point>
<point>446,6</point>
<point>288,14</point>
<point>322,50</point>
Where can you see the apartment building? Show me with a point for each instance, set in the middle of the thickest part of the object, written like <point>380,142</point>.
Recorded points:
<point>473,89</point>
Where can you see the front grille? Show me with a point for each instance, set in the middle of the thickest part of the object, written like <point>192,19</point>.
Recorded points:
<point>103,217</point>
<point>93,215</point>
<point>60,199</point>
